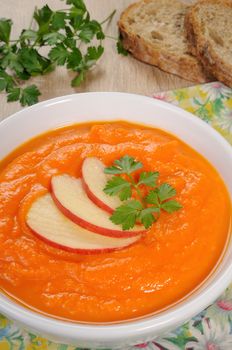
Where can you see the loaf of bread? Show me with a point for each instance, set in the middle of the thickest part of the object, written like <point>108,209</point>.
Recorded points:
<point>153,31</point>
<point>208,26</point>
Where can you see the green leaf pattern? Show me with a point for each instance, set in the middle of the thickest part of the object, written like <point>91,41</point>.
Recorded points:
<point>211,102</point>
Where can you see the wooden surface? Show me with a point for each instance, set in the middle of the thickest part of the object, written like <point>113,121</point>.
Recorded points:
<point>113,73</point>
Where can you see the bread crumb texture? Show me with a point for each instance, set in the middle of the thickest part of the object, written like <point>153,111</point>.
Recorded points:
<point>154,32</point>
<point>210,22</point>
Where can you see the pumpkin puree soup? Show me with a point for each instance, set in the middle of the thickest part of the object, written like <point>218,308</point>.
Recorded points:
<point>168,262</point>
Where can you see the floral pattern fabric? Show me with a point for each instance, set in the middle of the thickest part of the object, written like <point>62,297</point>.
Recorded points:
<point>212,328</point>
<point>211,102</point>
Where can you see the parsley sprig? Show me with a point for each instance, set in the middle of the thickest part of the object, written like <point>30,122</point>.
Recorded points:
<point>67,34</point>
<point>138,207</point>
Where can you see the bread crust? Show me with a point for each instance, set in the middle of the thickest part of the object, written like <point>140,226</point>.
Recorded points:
<point>185,66</point>
<point>204,50</point>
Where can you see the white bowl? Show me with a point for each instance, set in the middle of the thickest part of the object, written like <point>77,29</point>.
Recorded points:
<point>110,106</point>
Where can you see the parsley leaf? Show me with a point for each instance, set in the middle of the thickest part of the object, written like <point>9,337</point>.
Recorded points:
<point>142,207</point>
<point>146,216</point>
<point>74,58</point>
<point>171,206</point>
<point>87,33</point>
<point>5,30</point>
<point>58,20</point>
<point>94,53</point>
<point>6,80</point>
<point>148,178</point>
<point>127,214</point>
<point>120,48</point>
<point>13,94</point>
<point>125,193</point>
<point>70,42</point>
<point>11,60</point>
<point>76,20</point>
<point>28,35</point>
<point>29,95</point>
<point>165,191</point>
<point>78,79</point>
<point>31,60</point>
<point>42,17</point>
<point>23,75</point>
<point>125,165</point>
<point>77,3</point>
<point>53,38</point>
<point>59,54</point>
<point>118,185</point>
<point>152,198</point>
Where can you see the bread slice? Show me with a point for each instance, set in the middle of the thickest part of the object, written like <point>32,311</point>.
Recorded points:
<point>209,30</point>
<point>190,34</point>
<point>153,31</point>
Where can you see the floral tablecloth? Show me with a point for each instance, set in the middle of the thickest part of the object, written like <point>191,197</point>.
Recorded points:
<point>212,328</point>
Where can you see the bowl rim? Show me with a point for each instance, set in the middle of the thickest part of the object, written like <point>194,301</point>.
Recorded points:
<point>124,330</point>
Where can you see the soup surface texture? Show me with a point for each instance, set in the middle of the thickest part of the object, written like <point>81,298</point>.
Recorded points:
<point>175,256</point>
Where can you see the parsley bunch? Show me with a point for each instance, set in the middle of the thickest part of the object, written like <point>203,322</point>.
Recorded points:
<point>68,35</point>
<point>146,209</point>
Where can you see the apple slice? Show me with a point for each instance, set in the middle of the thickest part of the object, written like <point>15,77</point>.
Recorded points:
<point>50,225</point>
<point>73,202</point>
<point>94,181</point>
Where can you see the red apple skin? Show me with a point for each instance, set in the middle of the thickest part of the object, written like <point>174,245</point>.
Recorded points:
<point>78,251</point>
<point>91,227</point>
<point>96,200</point>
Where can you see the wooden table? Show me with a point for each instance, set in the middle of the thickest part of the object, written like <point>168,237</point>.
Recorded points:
<point>113,73</point>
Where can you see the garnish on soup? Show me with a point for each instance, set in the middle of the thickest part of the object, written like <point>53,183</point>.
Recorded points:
<point>147,208</point>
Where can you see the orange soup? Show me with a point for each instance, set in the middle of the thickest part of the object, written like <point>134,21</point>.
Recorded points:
<point>168,262</point>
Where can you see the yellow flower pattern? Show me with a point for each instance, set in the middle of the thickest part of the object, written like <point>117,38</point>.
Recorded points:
<point>211,329</point>
<point>211,102</point>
